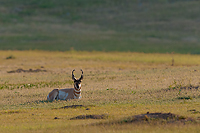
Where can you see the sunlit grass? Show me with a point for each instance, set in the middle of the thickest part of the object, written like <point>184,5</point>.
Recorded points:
<point>28,120</point>
<point>179,59</point>
<point>117,84</point>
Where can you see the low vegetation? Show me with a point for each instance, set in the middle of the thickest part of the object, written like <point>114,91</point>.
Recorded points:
<point>121,92</point>
<point>161,26</point>
<point>136,89</point>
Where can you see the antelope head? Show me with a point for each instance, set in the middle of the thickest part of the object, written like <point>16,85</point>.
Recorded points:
<point>77,82</point>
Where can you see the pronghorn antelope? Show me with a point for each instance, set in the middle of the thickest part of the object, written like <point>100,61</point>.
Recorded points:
<point>68,93</point>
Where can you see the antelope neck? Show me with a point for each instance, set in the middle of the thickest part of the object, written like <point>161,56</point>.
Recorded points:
<point>77,92</point>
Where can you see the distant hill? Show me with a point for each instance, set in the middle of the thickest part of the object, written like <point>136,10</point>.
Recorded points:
<point>159,26</point>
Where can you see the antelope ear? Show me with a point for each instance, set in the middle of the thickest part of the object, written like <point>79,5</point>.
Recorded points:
<point>73,77</point>
<point>81,76</point>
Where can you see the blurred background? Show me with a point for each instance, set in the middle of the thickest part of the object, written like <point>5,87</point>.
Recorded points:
<point>149,26</point>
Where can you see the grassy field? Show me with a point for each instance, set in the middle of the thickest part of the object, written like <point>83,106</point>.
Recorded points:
<point>161,26</point>
<point>116,84</point>
<point>139,58</point>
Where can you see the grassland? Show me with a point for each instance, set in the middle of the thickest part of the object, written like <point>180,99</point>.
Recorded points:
<point>161,26</point>
<point>119,85</point>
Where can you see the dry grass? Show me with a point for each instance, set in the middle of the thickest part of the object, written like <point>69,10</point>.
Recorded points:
<point>116,84</point>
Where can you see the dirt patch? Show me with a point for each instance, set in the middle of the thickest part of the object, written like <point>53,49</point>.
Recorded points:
<point>78,106</point>
<point>190,87</point>
<point>103,116</point>
<point>72,106</point>
<point>11,112</point>
<point>28,71</point>
<point>56,118</point>
<point>194,111</point>
<point>160,117</point>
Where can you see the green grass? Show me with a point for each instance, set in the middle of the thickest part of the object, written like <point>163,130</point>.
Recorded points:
<point>100,25</point>
<point>119,85</point>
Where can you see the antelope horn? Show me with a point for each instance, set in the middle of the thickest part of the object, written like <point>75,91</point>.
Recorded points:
<point>73,78</point>
<point>81,75</point>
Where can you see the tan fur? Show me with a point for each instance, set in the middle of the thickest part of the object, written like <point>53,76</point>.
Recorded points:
<point>52,95</point>
<point>62,94</point>
<point>70,93</point>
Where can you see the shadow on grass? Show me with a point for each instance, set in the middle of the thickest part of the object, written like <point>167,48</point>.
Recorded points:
<point>78,106</point>
<point>36,102</point>
<point>87,107</point>
<point>103,116</point>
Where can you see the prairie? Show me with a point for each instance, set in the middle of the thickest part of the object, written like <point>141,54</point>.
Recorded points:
<point>156,26</point>
<point>118,85</point>
<point>136,89</point>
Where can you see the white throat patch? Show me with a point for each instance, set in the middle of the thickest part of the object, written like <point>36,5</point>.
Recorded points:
<point>79,86</point>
